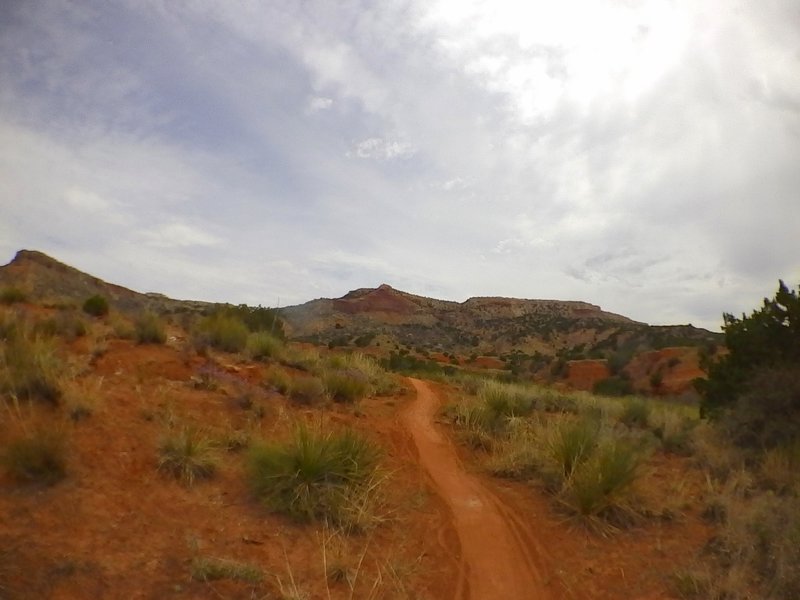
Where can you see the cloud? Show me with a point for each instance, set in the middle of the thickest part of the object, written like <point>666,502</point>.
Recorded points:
<point>642,156</point>
<point>178,235</point>
<point>319,103</point>
<point>382,149</point>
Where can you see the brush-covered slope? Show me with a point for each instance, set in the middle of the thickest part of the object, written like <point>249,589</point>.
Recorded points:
<point>47,281</point>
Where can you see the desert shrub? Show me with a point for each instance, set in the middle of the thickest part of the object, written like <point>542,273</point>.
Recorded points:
<point>262,345</point>
<point>149,329</point>
<point>30,368</point>
<point>204,568</point>
<point>761,536</point>
<point>635,413</point>
<point>222,331</point>
<point>38,455</point>
<point>96,305</point>
<point>307,390</point>
<point>255,318</point>
<point>379,380</point>
<point>779,469</point>
<point>615,385</point>
<point>122,328</point>
<point>187,454</point>
<point>315,475</point>
<point>598,485</point>
<point>345,385</point>
<point>12,295</point>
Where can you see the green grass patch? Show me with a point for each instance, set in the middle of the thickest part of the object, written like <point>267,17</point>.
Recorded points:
<point>12,295</point>
<point>316,475</point>
<point>262,345</point>
<point>222,331</point>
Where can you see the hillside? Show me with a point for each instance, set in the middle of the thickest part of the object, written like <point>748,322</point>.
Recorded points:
<point>535,337</point>
<point>45,280</point>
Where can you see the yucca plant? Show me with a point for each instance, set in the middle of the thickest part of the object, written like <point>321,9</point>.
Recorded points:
<point>315,474</point>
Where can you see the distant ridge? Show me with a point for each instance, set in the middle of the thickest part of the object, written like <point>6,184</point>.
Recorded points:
<point>49,281</point>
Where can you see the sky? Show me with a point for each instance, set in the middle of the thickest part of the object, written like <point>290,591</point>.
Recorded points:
<point>639,155</point>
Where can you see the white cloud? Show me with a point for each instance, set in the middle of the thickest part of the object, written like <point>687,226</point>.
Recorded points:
<point>319,103</point>
<point>382,149</point>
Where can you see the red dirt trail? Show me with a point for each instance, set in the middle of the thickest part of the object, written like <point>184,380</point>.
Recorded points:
<point>498,555</point>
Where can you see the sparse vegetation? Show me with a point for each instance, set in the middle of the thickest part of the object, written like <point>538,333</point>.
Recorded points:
<point>149,329</point>
<point>206,568</point>
<point>188,454</point>
<point>36,453</point>
<point>222,331</point>
<point>12,295</point>
<point>307,390</point>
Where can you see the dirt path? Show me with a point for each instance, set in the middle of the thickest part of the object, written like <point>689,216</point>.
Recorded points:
<point>498,556</point>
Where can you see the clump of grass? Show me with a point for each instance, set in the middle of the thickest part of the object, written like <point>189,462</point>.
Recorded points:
<point>673,430</point>
<point>506,400</point>
<point>278,380</point>
<point>262,345</point>
<point>379,380</point>
<point>316,475</point>
<point>570,444</point>
<point>149,329</point>
<point>30,368</point>
<point>302,359</point>
<point>307,390</point>
<point>206,568</point>
<point>598,486</point>
<point>187,454</point>
<point>38,455</point>
<point>65,324</point>
<point>635,413</point>
<point>12,295</point>
<point>223,332</point>
<point>345,385</point>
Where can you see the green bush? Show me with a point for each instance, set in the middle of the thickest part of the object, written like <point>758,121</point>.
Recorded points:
<point>37,456</point>
<point>96,305</point>
<point>188,455</point>
<point>149,329</point>
<point>222,331</point>
<point>315,475</point>
<point>30,368</point>
<point>12,295</point>
<point>262,345</point>
<point>767,339</point>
